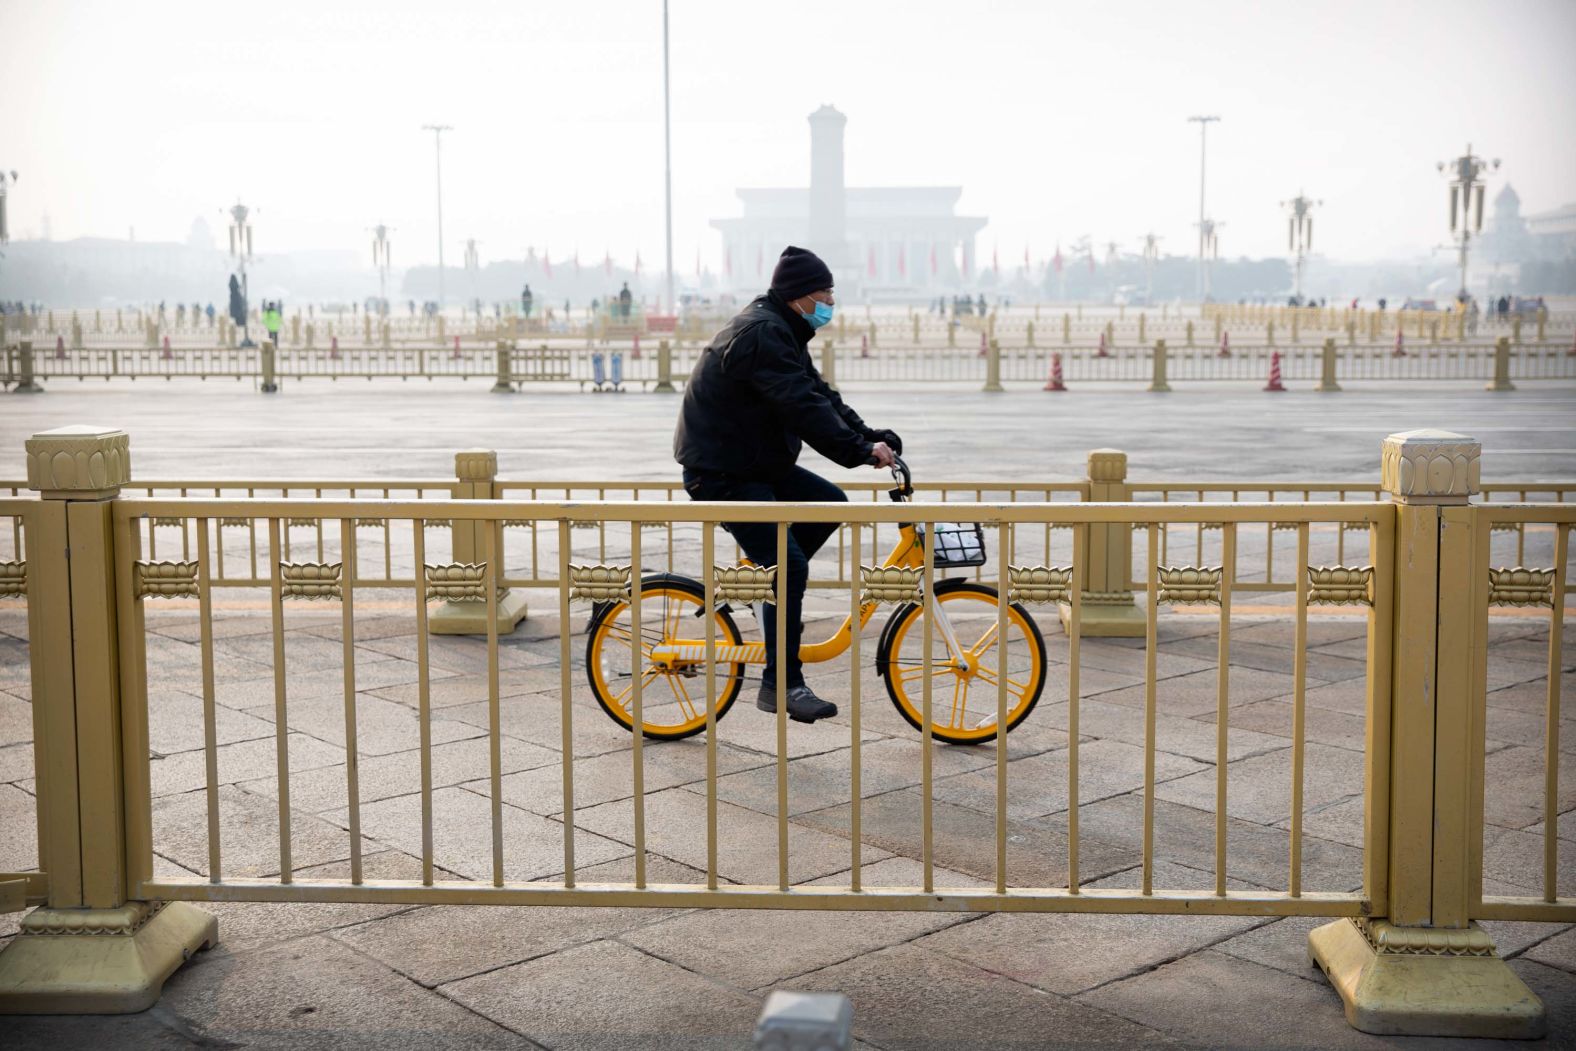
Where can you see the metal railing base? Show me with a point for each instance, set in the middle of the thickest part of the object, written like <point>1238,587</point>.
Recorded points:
<point>100,961</point>
<point>1425,981</point>
<point>470,618</point>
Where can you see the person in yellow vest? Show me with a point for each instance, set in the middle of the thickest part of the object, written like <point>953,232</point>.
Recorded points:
<point>271,321</point>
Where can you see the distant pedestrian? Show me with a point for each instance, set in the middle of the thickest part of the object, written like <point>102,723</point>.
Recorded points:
<point>271,321</point>
<point>526,302</point>
<point>1381,304</point>
<point>625,300</point>
<point>982,304</point>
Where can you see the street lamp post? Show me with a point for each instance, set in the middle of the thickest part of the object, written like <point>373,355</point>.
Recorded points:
<point>6,179</point>
<point>1208,252</point>
<point>473,267</point>
<point>667,157</point>
<point>1203,234</point>
<point>437,147</point>
<point>381,259</point>
<point>1299,232</point>
<point>1151,257</point>
<point>241,251</point>
<point>1466,201</point>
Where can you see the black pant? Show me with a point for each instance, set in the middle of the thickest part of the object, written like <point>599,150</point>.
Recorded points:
<point>759,541</point>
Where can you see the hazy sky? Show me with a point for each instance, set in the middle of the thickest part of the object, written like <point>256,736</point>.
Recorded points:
<point>1057,119</point>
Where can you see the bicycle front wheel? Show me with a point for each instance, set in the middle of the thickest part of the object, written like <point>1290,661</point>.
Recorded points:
<point>673,698</point>
<point>963,705</point>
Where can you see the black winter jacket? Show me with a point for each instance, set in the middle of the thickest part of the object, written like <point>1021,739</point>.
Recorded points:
<point>755,396</point>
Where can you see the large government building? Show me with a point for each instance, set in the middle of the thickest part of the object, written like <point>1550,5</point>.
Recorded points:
<point>880,241</point>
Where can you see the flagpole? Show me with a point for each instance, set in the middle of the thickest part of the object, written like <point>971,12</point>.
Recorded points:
<point>667,155</point>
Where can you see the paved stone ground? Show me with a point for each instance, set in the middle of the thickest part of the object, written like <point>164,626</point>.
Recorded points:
<point>336,976</point>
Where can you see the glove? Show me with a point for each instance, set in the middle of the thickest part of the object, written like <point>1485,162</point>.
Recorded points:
<point>890,437</point>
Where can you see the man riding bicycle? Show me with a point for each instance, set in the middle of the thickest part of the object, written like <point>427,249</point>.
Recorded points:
<point>753,400</point>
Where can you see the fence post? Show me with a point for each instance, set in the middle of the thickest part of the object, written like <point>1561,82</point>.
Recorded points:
<point>1141,325</point>
<point>267,354</point>
<point>387,342</point>
<point>1028,334</point>
<point>992,368</point>
<point>1327,374</point>
<point>1190,333</point>
<point>1067,329</point>
<point>1426,968</point>
<point>76,334</point>
<point>89,948</point>
<point>1157,382</point>
<point>916,330</point>
<point>829,361</point>
<point>1109,611</point>
<point>664,369</point>
<point>1501,380</point>
<point>475,472</point>
<point>504,384</point>
<point>26,381</point>
<point>1543,319</point>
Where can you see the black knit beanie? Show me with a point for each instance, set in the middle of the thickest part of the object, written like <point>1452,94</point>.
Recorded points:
<point>798,273</point>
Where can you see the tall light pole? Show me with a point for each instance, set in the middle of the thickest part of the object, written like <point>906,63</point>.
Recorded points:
<point>1151,257</point>
<point>1209,251</point>
<point>1299,232</point>
<point>381,258</point>
<point>241,251</point>
<point>473,267</point>
<point>1466,201</point>
<point>667,156</point>
<point>437,146</point>
<point>6,179</point>
<point>1203,270</point>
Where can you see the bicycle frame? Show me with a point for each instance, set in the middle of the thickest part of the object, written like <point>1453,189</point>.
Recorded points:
<point>908,553</point>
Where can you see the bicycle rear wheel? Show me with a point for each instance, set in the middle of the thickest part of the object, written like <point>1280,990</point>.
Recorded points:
<point>673,699</point>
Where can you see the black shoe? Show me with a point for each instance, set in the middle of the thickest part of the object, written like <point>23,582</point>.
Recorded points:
<point>803,705</point>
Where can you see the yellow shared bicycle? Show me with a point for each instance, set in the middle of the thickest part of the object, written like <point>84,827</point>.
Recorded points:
<point>967,655</point>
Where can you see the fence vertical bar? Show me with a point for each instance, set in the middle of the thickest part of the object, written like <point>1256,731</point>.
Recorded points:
<point>780,624</point>
<point>929,607</point>
<point>1003,669</point>
<point>855,788</point>
<point>1551,737</point>
<point>1299,687</point>
<point>566,709</point>
<point>210,734</point>
<point>1228,570</point>
<point>1074,644</point>
<point>281,723</point>
<point>708,555</point>
<point>1150,642</point>
<point>347,556</point>
<point>423,694</point>
<point>637,699</point>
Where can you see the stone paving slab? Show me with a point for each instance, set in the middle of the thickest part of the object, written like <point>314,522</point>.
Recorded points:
<point>1175,734</point>
<point>437,944</point>
<point>909,998</point>
<point>1186,836</point>
<point>606,996</point>
<point>19,845</point>
<point>533,846</point>
<point>249,834</point>
<point>1258,788</point>
<point>746,841</point>
<point>175,723</point>
<point>756,949</point>
<point>611,775</point>
<point>382,726</point>
<point>314,993</point>
<point>399,773</point>
<point>1196,693</point>
<point>1319,725</point>
<point>245,760</point>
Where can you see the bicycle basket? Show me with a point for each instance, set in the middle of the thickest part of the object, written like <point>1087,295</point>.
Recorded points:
<point>957,544</point>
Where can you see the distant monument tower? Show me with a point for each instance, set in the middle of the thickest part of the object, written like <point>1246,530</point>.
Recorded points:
<point>828,234</point>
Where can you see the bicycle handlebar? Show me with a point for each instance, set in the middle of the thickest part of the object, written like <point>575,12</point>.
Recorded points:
<point>904,478</point>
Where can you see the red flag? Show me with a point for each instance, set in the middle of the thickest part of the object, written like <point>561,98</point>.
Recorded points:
<point>995,260</point>
<point>932,258</point>
<point>607,262</point>
<point>902,261</point>
<point>871,265</point>
<point>1056,261</point>
<point>547,263</point>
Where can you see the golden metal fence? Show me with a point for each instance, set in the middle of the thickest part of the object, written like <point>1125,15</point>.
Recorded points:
<point>1421,575</point>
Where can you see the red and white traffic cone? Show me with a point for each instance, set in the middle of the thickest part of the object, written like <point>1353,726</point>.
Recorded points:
<point>333,347</point>
<point>1275,376</point>
<point>1054,382</point>
<point>1102,352</point>
<point>864,345</point>
<point>456,347</point>
<point>1400,344</point>
<point>635,354</point>
<point>982,344</point>
<point>60,346</point>
<point>166,352</point>
<point>1225,345</point>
